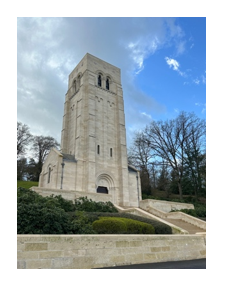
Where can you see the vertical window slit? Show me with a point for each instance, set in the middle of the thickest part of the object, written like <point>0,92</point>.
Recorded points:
<point>49,175</point>
<point>107,84</point>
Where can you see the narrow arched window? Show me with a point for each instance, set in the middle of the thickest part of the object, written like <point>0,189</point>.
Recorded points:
<point>78,83</point>
<point>49,175</point>
<point>110,152</point>
<point>99,80</point>
<point>107,84</point>
<point>74,86</point>
<point>98,149</point>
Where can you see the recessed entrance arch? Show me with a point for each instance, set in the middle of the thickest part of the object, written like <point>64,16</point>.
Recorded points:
<point>104,183</point>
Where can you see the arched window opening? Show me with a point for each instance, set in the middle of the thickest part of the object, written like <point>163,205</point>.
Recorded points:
<point>102,189</point>
<point>99,80</point>
<point>74,86</point>
<point>98,149</point>
<point>107,83</point>
<point>49,175</point>
<point>110,152</point>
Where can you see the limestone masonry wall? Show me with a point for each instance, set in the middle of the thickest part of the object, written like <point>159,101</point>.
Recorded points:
<point>95,251</point>
<point>165,206</point>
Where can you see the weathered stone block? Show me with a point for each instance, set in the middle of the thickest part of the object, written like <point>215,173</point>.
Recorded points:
<point>135,244</point>
<point>156,249</point>
<point>50,254</point>
<point>61,263</point>
<point>118,259</point>
<point>27,255</point>
<point>39,263</point>
<point>35,246</point>
<point>122,244</point>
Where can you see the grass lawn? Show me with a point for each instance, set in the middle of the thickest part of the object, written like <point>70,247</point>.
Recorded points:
<point>26,184</point>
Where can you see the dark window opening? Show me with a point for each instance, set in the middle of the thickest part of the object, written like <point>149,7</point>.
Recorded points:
<point>107,84</point>
<point>98,149</point>
<point>102,189</point>
<point>78,83</point>
<point>49,175</point>
<point>99,80</point>
<point>110,152</point>
<point>74,85</point>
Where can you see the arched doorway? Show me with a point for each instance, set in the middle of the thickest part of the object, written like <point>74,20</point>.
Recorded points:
<point>105,184</point>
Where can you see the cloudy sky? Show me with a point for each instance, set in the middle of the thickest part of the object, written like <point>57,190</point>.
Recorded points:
<point>162,62</point>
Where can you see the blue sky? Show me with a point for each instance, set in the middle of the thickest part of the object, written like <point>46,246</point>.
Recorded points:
<point>162,62</point>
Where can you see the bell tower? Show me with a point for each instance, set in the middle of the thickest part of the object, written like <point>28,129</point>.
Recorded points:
<point>93,139</point>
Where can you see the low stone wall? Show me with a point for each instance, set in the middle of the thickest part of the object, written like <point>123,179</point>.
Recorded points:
<point>96,251</point>
<point>165,206</point>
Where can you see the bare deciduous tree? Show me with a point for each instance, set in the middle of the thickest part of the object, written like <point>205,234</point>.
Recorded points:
<point>24,138</point>
<point>139,155</point>
<point>168,139</point>
<point>41,147</point>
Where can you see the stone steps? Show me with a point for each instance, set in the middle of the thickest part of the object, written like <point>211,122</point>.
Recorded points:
<point>192,229</point>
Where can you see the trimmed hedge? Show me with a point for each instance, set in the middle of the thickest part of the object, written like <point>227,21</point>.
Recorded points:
<point>138,227</point>
<point>110,225</point>
<point>160,227</point>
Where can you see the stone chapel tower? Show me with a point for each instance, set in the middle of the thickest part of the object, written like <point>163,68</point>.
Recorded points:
<point>93,156</point>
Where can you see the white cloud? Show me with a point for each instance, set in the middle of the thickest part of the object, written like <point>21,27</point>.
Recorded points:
<point>174,65</point>
<point>140,50</point>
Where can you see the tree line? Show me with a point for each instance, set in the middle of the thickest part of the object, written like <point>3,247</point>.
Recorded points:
<point>171,156</point>
<point>38,146</point>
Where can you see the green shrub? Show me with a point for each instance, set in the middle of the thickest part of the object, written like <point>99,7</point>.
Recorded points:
<point>81,224</point>
<point>28,196</point>
<point>199,211</point>
<point>191,212</point>
<point>36,218</point>
<point>160,227</point>
<point>59,201</point>
<point>138,227</point>
<point>113,225</point>
<point>85,204</point>
<point>40,215</point>
<point>109,226</point>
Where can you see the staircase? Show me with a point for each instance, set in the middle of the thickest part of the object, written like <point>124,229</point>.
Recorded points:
<point>179,222</point>
<point>192,229</point>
